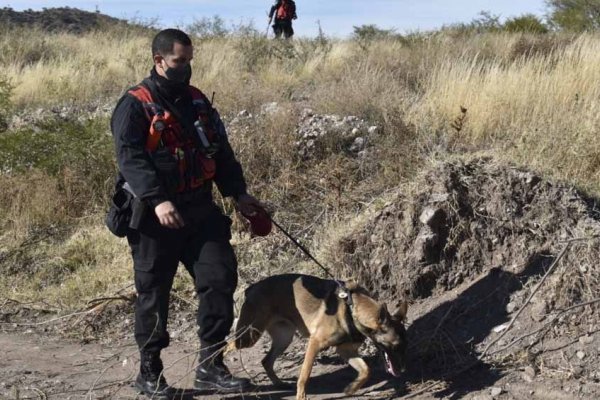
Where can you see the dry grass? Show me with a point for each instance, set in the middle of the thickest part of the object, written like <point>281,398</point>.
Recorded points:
<point>540,111</point>
<point>65,268</point>
<point>62,68</point>
<point>529,99</point>
<point>525,95</point>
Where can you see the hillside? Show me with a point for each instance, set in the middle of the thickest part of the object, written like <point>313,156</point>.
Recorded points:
<point>62,19</point>
<point>453,169</point>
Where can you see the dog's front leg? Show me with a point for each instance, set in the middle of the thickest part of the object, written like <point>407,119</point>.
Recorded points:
<point>309,358</point>
<point>349,352</point>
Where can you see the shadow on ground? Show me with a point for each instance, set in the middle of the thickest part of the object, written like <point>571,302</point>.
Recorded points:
<point>444,340</point>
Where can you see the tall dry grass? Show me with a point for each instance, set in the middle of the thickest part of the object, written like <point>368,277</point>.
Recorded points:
<point>541,111</point>
<point>529,99</point>
<point>50,69</point>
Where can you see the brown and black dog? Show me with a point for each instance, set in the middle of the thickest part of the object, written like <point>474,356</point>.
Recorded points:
<point>329,315</point>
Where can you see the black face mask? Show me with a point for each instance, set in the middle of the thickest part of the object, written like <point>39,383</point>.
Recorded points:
<point>181,74</point>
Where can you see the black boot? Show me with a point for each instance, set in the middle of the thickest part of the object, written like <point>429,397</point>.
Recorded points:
<point>150,381</point>
<point>213,375</point>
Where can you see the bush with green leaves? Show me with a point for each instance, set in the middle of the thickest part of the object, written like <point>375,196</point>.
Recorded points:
<point>371,32</point>
<point>486,22</point>
<point>575,15</point>
<point>85,149</point>
<point>527,23</point>
<point>216,27</point>
<point>5,103</point>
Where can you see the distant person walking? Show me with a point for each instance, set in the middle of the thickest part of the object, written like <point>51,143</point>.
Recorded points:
<point>284,12</point>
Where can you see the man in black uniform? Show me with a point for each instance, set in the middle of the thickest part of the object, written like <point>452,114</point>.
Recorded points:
<point>171,146</point>
<point>284,12</point>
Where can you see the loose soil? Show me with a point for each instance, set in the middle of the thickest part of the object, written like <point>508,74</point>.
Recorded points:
<point>468,245</point>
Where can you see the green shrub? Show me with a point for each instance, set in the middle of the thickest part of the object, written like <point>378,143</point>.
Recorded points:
<point>83,151</point>
<point>575,15</point>
<point>527,23</point>
<point>484,22</point>
<point>216,27</point>
<point>5,103</point>
<point>371,32</point>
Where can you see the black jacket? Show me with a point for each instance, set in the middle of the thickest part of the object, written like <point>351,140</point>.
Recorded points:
<point>130,128</point>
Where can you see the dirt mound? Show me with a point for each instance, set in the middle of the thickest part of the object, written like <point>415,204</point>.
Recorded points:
<point>468,247</point>
<point>466,217</point>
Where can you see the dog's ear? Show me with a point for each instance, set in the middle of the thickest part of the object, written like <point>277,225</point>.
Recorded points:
<point>400,313</point>
<point>384,315</point>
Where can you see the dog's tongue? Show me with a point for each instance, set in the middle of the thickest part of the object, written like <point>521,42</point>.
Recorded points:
<point>389,366</point>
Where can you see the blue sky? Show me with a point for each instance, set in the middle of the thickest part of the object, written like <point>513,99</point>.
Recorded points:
<point>337,17</point>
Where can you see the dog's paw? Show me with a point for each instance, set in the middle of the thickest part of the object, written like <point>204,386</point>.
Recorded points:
<point>300,396</point>
<point>351,389</point>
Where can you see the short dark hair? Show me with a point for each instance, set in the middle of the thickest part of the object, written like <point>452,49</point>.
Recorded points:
<point>164,41</point>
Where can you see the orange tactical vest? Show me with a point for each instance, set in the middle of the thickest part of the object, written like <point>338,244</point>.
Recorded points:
<point>284,11</point>
<point>195,165</point>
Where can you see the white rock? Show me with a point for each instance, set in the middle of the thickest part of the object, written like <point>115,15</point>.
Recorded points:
<point>373,130</point>
<point>496,391</point>
<point>428,215</point>
<point>587,339</point>
<point>580,355</point>
<point>510,307</point>
<point>307,112</point>
<point>270,108</point>
<point>359,144</point>
<point>529,374</point>
<point>438,197</point>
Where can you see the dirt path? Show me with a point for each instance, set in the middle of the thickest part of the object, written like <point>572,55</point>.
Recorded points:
<point>36,364</point>
<point>35,367</point>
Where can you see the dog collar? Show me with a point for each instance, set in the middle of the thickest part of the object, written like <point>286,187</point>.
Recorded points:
<point>344,294</point>
<point>355,332</point>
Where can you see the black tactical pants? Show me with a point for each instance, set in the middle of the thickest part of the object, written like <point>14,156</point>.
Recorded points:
<point>283,27</point>
<point>203,247</point>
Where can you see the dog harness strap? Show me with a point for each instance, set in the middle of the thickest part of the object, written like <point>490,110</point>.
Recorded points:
<point>355,334</point>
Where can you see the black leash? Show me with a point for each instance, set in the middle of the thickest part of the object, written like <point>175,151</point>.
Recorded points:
<point>344,293</point>
<point>303,249</point>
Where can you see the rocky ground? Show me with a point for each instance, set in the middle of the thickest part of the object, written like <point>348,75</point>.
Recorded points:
<point>315,131</point>
<point>37,365</point>
<point>499,266</point>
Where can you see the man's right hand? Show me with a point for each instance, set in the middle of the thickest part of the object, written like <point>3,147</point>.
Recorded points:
<point>168,215</point>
